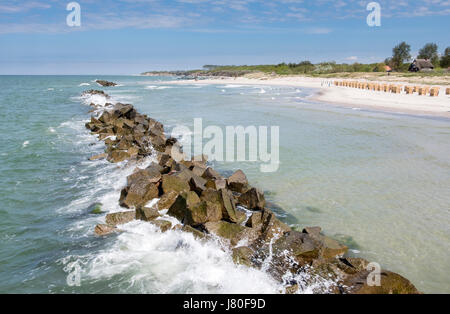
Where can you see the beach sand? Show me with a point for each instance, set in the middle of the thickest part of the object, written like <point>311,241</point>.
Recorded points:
<point>350,97</point>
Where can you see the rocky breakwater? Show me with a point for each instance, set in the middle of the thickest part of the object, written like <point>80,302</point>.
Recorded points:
<point>209,205</point>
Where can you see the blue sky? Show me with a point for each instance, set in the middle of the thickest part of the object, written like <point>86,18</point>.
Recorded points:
<point>132,36</point>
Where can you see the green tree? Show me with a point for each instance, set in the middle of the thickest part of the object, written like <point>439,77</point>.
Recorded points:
<point>430,52</point>
<point>445,60</point>
<point>400,54</point>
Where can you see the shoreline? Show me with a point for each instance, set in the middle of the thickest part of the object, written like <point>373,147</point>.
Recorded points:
<point>347,97</point>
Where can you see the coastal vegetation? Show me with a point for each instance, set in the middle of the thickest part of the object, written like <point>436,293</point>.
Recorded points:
<point>399,62</point>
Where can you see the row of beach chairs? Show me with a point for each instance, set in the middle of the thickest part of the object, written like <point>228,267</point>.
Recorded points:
<point>393,88</point>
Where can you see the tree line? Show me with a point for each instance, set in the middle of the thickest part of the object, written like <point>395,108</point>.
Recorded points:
<point>401,54</point>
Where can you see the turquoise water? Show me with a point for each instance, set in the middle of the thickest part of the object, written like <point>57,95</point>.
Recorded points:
<point>378,182</point>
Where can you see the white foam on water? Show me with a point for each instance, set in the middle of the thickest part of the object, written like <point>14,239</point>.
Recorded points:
<point>171,262</point>
<point>84,84</point>
<point>158,87</point>
<point>25,144</point>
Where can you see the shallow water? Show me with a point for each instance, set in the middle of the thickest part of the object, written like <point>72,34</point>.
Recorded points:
<point>378,182</point>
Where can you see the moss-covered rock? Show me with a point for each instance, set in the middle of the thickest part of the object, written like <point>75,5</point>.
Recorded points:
<point>252,199</point>
<point>238,181</point>
<point>120,218</point>
<point>174,183</point>
<point>243,256</point>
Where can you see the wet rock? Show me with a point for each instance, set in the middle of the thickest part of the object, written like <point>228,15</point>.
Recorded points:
<point>211,174</point>
<point>216,184</point>
<point>197,233</point>
<point>329,248</point>
<point>198,171</point>
<point>196,214</point>
<point>189,209</point>
<point>139,193</point>
<point>163,225</point>
<point>95,92</point>
<point>253,199</point>
<point>271,226</point>
<point>150,174</point>
<point>105,83</point>
<point>174,183</point>
<point>106,117</point>
<point>118,156</point>
<point>178,208</point>
<point>147,214</point>
<point>240,217</point>
<point>98,157</point>
<point>243,256</point>
<point>313,231</point>
<point>96,209</point>
<point>299,245</point>
<point>230,231</point>
<point>102,230</point>
<point>214,211</point>
<point>255,220</point>
<point>356,281</point>
<point>197,184</point>
<point>167,200</point>
<point>120,218</point>
<point>230,208</point>
<point>238,181</point>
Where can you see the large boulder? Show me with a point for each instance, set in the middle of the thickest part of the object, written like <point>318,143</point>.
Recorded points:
<point>211,174</point>
<point>167,200</point>
<point>243,255</point>
<point>230,207</point>
<point>253,199</point>
<point>271,226</point>
<point>175,183</point>
<point>150,174</point>
<point>328,247</point>
<point>230,231</point>
<point>189,209</point>
<point>139,193</point>
<point>147,213</point>
<point>163,225</point>
<point>120,218</point>
<point>116,156</point>
<point>238,182</point>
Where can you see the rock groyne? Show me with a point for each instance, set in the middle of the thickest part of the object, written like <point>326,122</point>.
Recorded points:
<point>207,204</point>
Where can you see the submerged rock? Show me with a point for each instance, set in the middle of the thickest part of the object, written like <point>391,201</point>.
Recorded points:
<point>102,230</point>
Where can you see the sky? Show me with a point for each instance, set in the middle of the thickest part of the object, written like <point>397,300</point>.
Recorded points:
<point>133,36</point>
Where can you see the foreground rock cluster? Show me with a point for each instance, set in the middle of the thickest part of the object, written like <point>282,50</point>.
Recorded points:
<point>209,205</point>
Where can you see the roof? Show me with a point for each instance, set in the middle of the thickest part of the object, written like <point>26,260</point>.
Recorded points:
<point>423,64</point>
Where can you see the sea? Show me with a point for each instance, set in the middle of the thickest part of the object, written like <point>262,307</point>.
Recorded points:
<point>378,182</point>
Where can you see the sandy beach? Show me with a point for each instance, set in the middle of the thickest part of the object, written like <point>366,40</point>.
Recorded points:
<point>351,97</point>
